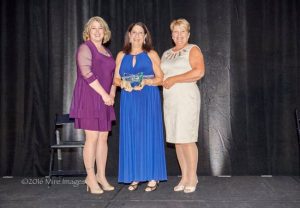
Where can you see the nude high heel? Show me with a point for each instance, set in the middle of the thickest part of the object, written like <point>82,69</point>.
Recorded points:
<point>95,191</point>
<point>190,189</point>
<point>179,188</point>
<point>105,188</point>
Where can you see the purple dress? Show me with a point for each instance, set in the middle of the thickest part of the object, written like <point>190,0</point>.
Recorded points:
<point>87,106</point>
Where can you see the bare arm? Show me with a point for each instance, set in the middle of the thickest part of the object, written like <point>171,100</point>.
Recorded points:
<point>196,73</point>
<point>118,82</point>
<point>157,80</point>
<point>117,77</point>
<point>113,91</point>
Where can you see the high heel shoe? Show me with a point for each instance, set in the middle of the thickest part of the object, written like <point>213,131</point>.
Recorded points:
<point>133,186</point>
<point>105,188</point>
<point>152,188</point>
<point>190,189</point>
<point>179,188</point>
<point>94,191</point>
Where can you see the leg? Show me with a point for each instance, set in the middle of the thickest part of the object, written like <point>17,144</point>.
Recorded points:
<point>101,158</point>
<point>89,156</point>
<point>191,155</point>
<point>183,166</point>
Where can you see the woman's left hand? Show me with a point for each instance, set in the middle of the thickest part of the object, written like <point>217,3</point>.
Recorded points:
<point>168,83</point>
<point>140,86</point>
<point>112,99</point>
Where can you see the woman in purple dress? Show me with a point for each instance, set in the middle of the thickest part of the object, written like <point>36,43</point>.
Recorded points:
<point>93,99</point>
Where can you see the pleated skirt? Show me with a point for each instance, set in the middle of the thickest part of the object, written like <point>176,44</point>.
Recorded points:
<point>141,145</point>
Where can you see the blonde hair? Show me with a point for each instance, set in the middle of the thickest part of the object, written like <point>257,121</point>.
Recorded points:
<point>180,22</point>
<point>87,28</point>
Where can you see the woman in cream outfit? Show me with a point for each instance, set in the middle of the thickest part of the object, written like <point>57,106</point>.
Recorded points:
<point>183,65</point>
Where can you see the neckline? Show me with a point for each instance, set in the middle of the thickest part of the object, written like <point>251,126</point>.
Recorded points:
<point>137,53</point>
<point>108,56</point>
<point>179,49</point>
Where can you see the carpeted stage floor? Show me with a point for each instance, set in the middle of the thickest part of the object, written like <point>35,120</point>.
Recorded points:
<point>212,192</point>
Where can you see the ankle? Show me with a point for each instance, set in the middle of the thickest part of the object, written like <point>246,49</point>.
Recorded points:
<point>91,183</point>
<point>90,168</point>
<point>101,179</point>
<point>152,183</point>
<point>192,182</point>
<point>183,181</point>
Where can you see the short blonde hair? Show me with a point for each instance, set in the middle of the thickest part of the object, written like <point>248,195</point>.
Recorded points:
<point>180,22</point>
<point>102,22</point>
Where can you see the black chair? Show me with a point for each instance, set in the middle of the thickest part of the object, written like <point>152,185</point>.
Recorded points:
<point>59,145</point>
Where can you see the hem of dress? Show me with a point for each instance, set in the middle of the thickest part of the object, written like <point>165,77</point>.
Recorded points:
<point>96,117</point>
<point>93,129</point>
<point>182,142</point>
<point>141,181</point>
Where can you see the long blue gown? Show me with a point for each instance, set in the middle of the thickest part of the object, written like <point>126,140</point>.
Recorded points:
<point>141,146</point>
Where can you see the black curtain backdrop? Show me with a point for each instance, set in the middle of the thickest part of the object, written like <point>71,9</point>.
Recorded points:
<point>249,92</point>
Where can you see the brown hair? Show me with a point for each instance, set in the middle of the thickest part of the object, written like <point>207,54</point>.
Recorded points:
<point>87,28</point>
<point>147,46</point>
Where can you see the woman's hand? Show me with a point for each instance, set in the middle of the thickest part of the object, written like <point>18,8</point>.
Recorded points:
<point>126,86</point>
<point>112,98</point>
<point>140,86</point>
<point>107,99</point>
<point>168,83</point>
<point>148,82</point>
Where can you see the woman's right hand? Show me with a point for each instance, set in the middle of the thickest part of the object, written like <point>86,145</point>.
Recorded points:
<point>168,83</point>
<point>126,86</point>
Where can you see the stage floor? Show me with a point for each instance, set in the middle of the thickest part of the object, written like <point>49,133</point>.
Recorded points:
<point>212,192</point>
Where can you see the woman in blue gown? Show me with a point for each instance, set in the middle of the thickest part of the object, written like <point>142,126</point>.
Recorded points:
<point>141,145</point>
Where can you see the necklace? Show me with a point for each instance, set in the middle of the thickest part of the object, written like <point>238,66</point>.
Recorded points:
<point>171,54</point>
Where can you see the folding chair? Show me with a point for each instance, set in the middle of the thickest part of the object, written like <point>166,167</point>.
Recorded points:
<point>60,145</point>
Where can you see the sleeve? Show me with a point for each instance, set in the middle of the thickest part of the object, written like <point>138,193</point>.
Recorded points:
<point>84,61</point>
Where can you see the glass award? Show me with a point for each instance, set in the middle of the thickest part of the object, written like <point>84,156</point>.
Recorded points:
<point>135,79</point>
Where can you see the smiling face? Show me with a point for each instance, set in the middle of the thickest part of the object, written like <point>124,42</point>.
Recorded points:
<point>137,36</point>
<point>97,32</point>
<point>180,35</point>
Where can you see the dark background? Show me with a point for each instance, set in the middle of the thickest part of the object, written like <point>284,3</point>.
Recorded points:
<point>249,92</point>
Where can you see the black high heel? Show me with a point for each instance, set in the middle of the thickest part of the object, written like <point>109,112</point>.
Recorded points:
<point>133,186</point>
<point>152,188</point>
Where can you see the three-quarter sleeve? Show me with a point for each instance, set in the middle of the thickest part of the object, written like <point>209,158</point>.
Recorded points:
<point>84,62</point>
